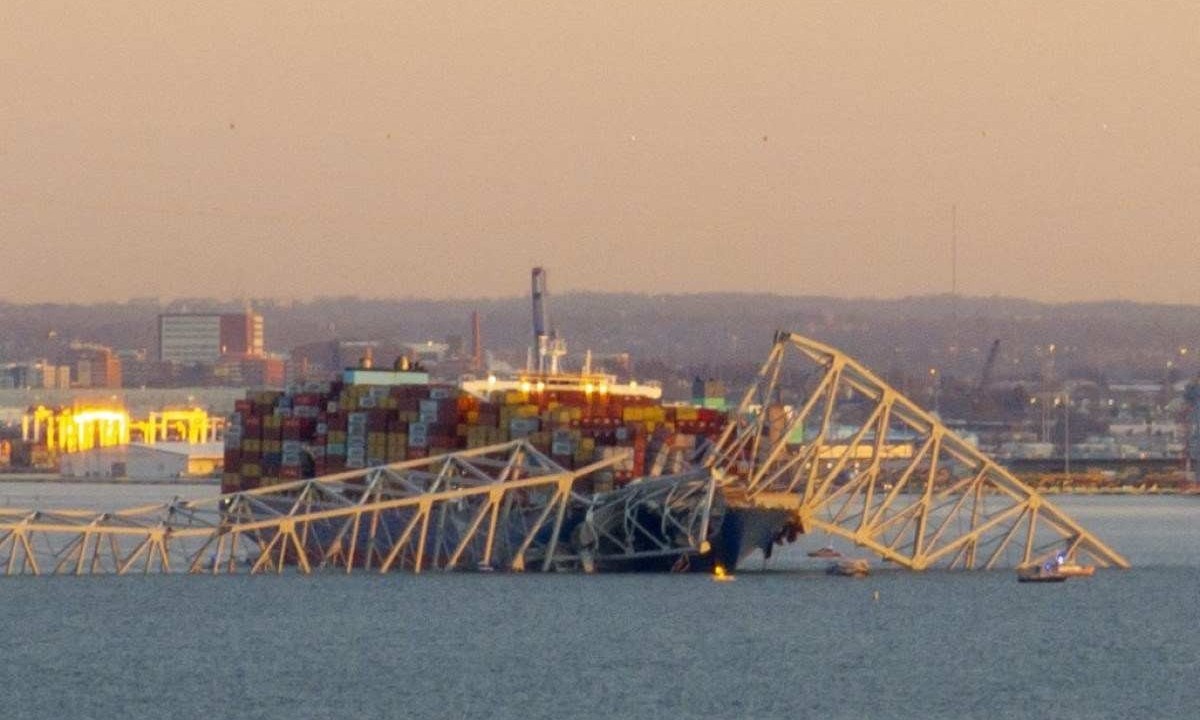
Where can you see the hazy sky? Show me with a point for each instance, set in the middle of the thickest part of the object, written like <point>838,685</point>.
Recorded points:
<point>441,149</point>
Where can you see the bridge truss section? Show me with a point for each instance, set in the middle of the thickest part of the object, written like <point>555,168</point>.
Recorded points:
<point>503,507</point>
<point>819,434</point>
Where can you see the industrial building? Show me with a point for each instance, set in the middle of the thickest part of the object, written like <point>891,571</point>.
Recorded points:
<point>41,374</point>
<point>145,462</point>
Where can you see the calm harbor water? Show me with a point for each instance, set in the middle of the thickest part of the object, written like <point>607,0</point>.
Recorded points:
<point>785,642</point>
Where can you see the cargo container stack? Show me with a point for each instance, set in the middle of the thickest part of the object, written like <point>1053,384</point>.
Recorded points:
<point>323,428</point>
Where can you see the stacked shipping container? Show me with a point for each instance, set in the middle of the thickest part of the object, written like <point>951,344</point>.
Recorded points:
<point>323,428</point>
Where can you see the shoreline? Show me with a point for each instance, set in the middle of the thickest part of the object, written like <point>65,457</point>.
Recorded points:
<point>54,479</point>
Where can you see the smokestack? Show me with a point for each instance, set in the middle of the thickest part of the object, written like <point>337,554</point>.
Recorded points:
<point>540,337</point>
<point>476,343</point>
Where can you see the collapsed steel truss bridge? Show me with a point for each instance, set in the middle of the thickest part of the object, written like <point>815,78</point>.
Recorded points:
<point>818,440</point>
<point>823,437</point>
<point>505,507</point>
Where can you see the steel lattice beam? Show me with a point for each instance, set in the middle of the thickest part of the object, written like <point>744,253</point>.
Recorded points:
<point>499,506</point>
<point>822,436</point>
<point>503,507</point>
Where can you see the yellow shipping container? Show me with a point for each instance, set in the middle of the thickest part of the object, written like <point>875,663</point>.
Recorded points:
<point>396,440</point>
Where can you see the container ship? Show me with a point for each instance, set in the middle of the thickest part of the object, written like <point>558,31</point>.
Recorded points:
<point>373,416</point>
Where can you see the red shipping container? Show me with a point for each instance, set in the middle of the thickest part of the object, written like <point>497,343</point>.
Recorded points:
<point>252,427</point>
<point>639,455</point>
<point>290,429</point>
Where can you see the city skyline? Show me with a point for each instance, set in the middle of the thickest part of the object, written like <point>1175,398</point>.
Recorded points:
<point>440,151</point>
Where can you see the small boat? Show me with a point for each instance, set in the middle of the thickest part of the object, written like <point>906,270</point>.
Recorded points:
<point>849,568</point>
<point>1040,573</point>
<point>1072,569</point>
<point>825,552</point>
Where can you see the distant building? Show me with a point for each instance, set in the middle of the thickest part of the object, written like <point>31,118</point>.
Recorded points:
<point>56,376</point>
<point>326,359</point>
<point>428,353</point>
<point>203,338</point>
<point>41,374</point>
<point>145,462</point>
<point>251,371</point>
<point>95,366</point>
<point>20,375</point>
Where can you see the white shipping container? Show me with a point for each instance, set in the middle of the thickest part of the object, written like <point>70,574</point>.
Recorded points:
<point>418,434</point>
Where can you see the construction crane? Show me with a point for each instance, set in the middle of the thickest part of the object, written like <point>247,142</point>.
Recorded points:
<point>985,377</point>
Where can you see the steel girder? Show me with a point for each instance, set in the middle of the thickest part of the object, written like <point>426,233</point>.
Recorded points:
<point>501,506</point>
<point>819,434</point>
<point>672,517</point>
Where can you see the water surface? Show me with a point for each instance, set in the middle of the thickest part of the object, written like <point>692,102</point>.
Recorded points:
<point>790,643</point>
